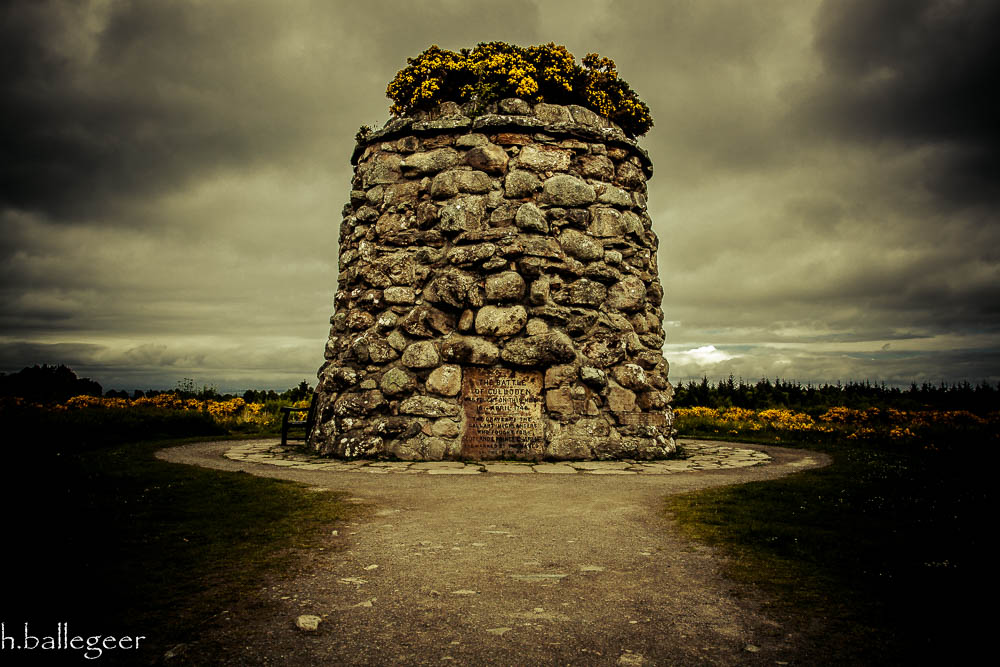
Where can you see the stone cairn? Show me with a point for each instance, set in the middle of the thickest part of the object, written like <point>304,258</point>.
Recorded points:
<point>498,294</point>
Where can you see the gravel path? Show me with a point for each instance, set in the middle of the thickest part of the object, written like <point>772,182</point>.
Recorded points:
<point>502,569</point>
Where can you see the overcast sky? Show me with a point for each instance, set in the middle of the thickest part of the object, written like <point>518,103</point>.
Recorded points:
<point>826,187</point>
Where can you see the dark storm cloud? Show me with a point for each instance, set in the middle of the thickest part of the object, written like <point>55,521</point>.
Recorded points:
<point>14,356</point>
<point>710,72</point>
<point>105,104</point>
<point>93,118</point>
<point>873,219</point>
<point>226,366</point>
<point>920,73</point>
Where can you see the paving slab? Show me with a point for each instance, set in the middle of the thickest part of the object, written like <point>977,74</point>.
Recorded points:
<point>699,456</point>
<point>437,465</point>
<point>554,469</point>
<point>600,465</point>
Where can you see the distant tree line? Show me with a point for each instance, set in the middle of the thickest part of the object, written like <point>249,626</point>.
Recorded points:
<point>57,384</point>
<point>47,384</point>
<point>764,394</point>
<point>301,392</point>
<point>186,389</point>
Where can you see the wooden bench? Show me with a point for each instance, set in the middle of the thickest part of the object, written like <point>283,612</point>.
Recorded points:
<point>290,426</point>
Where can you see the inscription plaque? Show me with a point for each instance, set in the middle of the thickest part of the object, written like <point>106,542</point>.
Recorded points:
<point>503,414</point>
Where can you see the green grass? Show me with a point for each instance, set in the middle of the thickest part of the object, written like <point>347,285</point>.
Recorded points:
<point>114,541</point>
<point>882,550</point>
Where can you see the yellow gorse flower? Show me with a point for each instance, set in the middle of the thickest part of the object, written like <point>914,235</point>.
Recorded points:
<point>902,426</point>
<point>227,413</point>
<point>495,70</point>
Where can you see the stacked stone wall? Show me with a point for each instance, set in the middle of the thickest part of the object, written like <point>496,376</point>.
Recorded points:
<point>498,294</point>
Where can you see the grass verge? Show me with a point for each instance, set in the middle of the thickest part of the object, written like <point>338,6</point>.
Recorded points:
<point>116,542</point>
<point>874,557</point>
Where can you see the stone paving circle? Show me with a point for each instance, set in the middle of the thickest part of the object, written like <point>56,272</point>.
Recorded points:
<point>699,455</point>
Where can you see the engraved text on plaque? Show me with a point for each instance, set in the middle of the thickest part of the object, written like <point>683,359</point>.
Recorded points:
<point>503,414</point>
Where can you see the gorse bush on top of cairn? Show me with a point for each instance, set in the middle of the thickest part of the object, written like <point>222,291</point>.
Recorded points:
<point>496,70</point>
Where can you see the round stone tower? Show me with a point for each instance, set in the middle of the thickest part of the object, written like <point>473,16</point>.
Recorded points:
<point>498,295</point>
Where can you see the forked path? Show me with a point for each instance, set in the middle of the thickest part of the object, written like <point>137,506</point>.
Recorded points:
<point>503,569</point>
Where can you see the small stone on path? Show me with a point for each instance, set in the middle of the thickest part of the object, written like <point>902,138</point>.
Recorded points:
<point>174,651</point>
<point>308,622</point>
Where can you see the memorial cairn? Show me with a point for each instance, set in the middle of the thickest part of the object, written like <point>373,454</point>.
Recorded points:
<point>498,295</point>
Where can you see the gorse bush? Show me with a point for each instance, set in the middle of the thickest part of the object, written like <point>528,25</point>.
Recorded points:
<point>496,70</point>
<point>85,422</point>
<point>35,429</point>
<point>234,414</point>
<point>920,429</point>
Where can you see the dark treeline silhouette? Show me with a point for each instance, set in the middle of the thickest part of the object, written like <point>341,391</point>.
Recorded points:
<point>299,393</point>
<point>47,384</point>
<point>186,389</point>
<point>980,398</point>
<point>57,384</point>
